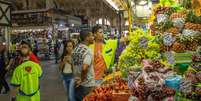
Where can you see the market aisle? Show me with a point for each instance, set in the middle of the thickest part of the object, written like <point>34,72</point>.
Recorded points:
<point>52,88</point>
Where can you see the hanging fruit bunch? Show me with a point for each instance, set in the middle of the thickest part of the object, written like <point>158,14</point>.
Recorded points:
<point>178,47</point>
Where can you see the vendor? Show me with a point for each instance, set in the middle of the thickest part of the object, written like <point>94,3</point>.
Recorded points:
<point>103,52</point>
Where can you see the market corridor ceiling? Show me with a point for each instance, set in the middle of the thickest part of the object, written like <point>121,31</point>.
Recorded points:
<point>73,7</point>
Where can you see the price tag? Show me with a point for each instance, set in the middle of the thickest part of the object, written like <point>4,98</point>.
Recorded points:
<point>168,39</point>
<point>131,78</point>
<point>143,42</point>
<point>170,57</point>
<point>162,18</point>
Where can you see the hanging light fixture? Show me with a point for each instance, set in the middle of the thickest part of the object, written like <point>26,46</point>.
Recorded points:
<point>143,2</point>
<point>112,3</point>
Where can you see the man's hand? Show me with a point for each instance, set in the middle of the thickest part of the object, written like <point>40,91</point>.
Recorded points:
<point>77,81</point>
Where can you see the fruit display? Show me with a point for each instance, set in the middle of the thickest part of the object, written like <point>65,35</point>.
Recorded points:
<point>178,47</point>
<point>196,67</point>
<point>192,26</point>
<point>108,90</point>
<point>192,46</point>
<point>183,24</point>
<point>177,15</point>
<point>142,46</point>
<point>198,92</point>
<point>189,87</point>
<point>191,76</point>
<point>162,10</point>
<point>174,31</point>
<point>149,84</point>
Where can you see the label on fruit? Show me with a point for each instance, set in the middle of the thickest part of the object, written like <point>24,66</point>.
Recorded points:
<point>168,39</point>
<point>170,57</point>
<point>162,18</point>
<point>143,42</point>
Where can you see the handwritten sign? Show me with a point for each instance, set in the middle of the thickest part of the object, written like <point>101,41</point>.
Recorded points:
<point>143,42</point>
<point>170,57</point>
<point>161,18</point>
<point>168,39</point>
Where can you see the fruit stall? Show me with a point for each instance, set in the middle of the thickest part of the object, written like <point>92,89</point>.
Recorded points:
<point>161,64</point>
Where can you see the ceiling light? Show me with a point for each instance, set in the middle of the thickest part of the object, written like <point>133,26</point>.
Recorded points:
<point>143,2</point>
<point>113,4</point>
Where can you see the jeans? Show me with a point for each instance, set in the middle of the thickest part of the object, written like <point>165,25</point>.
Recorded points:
<point>69,83</point>
<point>3,82</point>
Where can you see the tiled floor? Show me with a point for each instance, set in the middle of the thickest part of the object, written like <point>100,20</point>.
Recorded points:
<point>52,88</point>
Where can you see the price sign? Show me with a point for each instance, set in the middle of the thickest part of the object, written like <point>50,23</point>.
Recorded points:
<point>143,42</point>
<point>170,57</point>
<point>133,75</point>
<point>168,39</point>
<point>162,18</point>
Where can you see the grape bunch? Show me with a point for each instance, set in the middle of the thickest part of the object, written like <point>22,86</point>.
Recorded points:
<point>191,75</point>
<point>198,75</point>
<point>197,67</point>
<point>198,91</point>
<point>186,87</point>
<point>168,91</point>
<point>196,58</point>
<point>157,64</point>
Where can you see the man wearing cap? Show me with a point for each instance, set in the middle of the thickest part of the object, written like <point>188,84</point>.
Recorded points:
<point>25,79</point>
<point>31,56</point>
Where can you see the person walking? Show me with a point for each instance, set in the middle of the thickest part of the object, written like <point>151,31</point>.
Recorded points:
<point>66,68</point>
<point>36,48</point>
<point>56,51</point>
<point>83,66</point>
<point>25,79</point>
<point>3,68</point>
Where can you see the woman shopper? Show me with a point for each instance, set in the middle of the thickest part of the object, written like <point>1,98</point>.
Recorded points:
<point>67,69</point>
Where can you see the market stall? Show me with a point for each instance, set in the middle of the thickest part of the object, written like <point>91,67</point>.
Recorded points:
<point>161,64</point>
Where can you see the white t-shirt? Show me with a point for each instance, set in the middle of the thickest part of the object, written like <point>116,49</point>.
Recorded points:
<point>67,68</point>
<point>83,55</point>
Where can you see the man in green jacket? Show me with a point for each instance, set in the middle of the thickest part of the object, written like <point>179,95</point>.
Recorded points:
<point>25,79</point>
